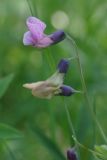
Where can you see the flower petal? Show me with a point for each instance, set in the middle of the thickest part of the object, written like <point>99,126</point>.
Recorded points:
<point>45,42</point>
<point>57,36</point>
<point>71,154</point>
<point>66,90</point>
<point>56,79</point>
<point>42,89</point>
<point>28,39</point>
<point>36,27</point>
<point>63,66</point>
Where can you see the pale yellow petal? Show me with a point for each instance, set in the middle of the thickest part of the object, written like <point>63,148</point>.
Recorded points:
<point>56,79</point>
<point>32,85</point>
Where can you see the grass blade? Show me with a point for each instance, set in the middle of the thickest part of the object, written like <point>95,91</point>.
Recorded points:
<point>47,142</point>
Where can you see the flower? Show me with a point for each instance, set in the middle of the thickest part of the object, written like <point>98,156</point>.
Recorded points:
<point>71,154</point>
<point>53,86</point>
<point>63,66</point>
<point>36,36</point>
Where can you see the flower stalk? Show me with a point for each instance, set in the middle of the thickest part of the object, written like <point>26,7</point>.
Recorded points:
<point>71,127</point>
<point>85,88</point>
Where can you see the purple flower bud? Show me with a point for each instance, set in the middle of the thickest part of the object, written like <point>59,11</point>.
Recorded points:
<point>66,90</point>
<point>63,66</point>
<point>57,36</point>
<point>71,154</point>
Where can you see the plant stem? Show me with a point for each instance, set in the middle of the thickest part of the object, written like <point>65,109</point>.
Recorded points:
<point>51,64</point>
<point>94,126</point>
<point>71,127</point>
<point>85,89</point>
<point>29,5</point>
<point>49,59</point>
<point>85,148</point>
<point>69,119</point>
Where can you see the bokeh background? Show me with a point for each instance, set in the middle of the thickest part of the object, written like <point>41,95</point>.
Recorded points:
<point>87,23</point>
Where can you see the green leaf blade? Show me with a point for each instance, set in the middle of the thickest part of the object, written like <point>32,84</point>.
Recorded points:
<point>8,133</point>
<point>48,143</point>
<point>4,84</point>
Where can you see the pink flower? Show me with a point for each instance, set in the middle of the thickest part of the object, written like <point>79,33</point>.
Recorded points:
<point>36,36</point>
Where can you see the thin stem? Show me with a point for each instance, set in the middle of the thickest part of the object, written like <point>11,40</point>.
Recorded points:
<point>51,64</point>
<point>49,59</point>
<point>85,89</point>
<point>50,54</point>
<point>71,126</point>
<point>72,58</point>
<point>35,8</point>
<point>29,5</point>
<point>94,126</point>
<point>84,147</point>
<point>52,123</point>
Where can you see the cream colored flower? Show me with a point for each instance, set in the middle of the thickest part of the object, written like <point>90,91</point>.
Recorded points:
<point>46,89</point>
<point>53,86</point>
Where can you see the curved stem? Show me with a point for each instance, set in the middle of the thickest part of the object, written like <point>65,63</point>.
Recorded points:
<point>85,89</point>
<point>85,148</point>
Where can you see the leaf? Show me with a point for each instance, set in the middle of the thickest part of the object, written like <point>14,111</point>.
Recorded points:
<point>47,142</point>
<point>7,132</point>
<point>102,152</point>
<point>4,84</point>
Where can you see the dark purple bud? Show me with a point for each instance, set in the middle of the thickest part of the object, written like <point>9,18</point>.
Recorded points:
<point>71,154</point>
<point>66,90</point>
<point>57,36</point>
<point>63,66</point>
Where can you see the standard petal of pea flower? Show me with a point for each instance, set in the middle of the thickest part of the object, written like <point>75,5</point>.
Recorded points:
<point>36,36</point>
<point>53,86</point>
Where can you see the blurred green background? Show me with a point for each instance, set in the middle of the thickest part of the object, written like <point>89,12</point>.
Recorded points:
<point>86,21</point>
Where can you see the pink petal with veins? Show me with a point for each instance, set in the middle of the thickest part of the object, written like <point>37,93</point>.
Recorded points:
<point>36,27</point>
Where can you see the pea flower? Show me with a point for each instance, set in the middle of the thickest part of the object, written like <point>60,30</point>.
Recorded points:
<point>36,36</point>
<point>71,154</point>
<point>53,86</point>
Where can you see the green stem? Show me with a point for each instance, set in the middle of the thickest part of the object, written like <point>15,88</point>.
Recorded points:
<point>71,126</point>
<point>52,118</point>
<point>50,54</point>
<point>69,119</point>
<point>52,121</point>
<point>94,126</point>
<point>85,148</point>
<point>49,59</point>
<point>29,5</point>
<point>85,89</point>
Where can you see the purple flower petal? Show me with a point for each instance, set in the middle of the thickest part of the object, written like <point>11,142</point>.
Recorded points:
<point>57,36</point>
<point>36,27</point>
<point>63,66</point>
<point>66,90</point>
<point>45,42</point>
<point>27,39</point>
<point>71,154</point>
<point>36,37</point>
